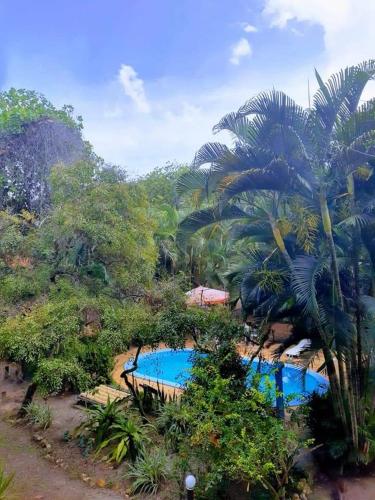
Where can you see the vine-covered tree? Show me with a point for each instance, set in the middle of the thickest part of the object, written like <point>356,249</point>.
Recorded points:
<point>34,136</point>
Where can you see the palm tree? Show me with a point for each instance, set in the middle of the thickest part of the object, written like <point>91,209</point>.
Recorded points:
<point>298,183</point>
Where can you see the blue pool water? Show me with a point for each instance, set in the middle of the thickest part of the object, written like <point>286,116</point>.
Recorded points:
<point>173,368</point>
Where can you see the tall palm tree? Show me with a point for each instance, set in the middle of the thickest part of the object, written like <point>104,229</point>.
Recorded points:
<point>299,182</point>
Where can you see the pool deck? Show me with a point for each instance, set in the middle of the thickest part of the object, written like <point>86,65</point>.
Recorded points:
<point>314,362</point>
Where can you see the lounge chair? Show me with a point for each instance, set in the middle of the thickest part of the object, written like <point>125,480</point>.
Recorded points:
<point>298,349</point>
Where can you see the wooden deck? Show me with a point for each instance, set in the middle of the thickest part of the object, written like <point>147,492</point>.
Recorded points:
<point>101,395</point>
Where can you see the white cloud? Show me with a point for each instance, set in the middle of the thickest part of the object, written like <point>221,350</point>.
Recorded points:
<point>249,28</point>
<point>348,27</point>
<point>134,88</point>
<point>241,49</point>
<point>181,111</point>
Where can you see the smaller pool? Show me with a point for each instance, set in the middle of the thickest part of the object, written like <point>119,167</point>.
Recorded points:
<point>173,368</point>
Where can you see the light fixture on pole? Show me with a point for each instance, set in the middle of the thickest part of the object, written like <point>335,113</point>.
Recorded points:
<point>190,482</point>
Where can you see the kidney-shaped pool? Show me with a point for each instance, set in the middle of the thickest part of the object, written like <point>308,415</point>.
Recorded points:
<point>172,367</point>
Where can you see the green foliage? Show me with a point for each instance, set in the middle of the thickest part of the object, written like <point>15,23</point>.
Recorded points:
<point>20,106</point>
<point>24,284</point>
<point>298,186</point>
<point>327,431</point>
<point>31,337</point>
<point>5,482</point>
<point>108,428</point>
<point>172,422</point>
<point>39,414</point>
<point>56,375</point>
<point>233,435</point>
<point>99,229</point>
<point>96,359</point>
<point>99,419</point>
<point>149,472</point>
<point>127,439</point>
<point>159,184</point>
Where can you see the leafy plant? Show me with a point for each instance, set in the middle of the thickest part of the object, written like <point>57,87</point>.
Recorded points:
<point>55,375</point>
<point>173,423</point>
<point>108,428</point>
<point>149,472</point>
<point>5,482</point>
<point>100,418</point>
<point>127,437</point>
<point>234,436</point>
<point>39,414</point>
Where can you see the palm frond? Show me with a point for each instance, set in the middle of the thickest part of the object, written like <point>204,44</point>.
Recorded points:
<point>237,124</point>
<point>277,107</point>
<point>261,231</point>
<point>360,122</point>
<point>357,220</point>
<point>214,153</point>
<point>336,100</point>
<point>193,180</point>
<point>279,124</point>
<point>202,218</point>
<point>306,270</point>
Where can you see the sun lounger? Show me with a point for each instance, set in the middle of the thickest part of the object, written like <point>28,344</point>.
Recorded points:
<point>298,349</point>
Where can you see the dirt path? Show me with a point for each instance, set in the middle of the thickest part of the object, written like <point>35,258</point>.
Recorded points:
<point>36,478</point>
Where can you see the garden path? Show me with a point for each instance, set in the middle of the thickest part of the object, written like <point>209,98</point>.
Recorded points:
<point>36,478</point>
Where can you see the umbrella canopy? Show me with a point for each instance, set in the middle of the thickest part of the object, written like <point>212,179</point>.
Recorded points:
<point>202,296</point>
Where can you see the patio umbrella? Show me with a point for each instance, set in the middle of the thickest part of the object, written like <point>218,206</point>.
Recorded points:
<point>203,296</point>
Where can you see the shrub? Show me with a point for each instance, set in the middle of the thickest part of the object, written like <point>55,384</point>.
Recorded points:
<point>326,431</point>
<point>55,375</point>
<point>97,360</point>
<point>5,482</point>
<point>172,422</point>
<point>39,414</point>
<point>98,423</point>
<point>148,472</point>
<point>23,284</point>
<point>127,439</point>
<point>107,428</point>
<point>233,436</point>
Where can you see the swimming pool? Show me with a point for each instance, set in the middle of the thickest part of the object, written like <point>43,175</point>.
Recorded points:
<point>172,368</point>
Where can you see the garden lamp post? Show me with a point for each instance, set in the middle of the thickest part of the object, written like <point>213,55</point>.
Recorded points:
<point>190,482</point>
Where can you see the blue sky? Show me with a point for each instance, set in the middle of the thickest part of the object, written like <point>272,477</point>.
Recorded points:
<point>151,77</point>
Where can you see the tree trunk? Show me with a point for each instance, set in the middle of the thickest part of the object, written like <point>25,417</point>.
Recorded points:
<point>327,225</point>
<point>130,386</point>
<point>27,399</point>
<point>279,241</point>
<point>326,219</point>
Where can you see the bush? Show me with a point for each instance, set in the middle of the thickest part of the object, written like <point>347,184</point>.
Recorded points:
<point>39,415</point>
<point>107,428</point>
<point>233,436</point>
<point>327,431</point>
<point>23,284</point>
<point>56,375</point>
<point>127,438</point>
<point>97,360</point>
<point>172,422</point>
<point>149,472</point>
<point>96,428</point>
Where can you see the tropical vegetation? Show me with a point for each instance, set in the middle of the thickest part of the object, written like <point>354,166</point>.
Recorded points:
<point>93,263</point>
<point>298,186</point>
